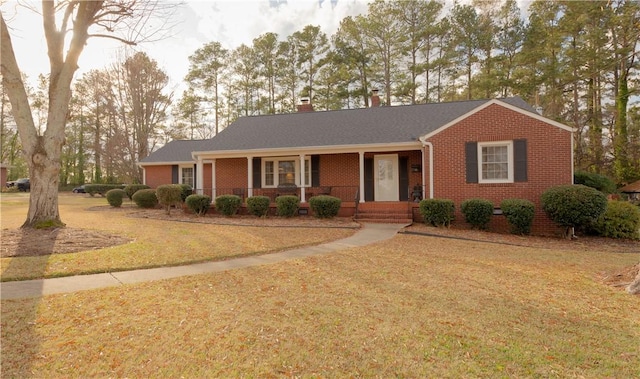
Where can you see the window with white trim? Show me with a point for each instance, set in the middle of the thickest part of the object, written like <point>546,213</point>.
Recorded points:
<point>495,162</point>
<point>186,175</point>
<point>284,170</point>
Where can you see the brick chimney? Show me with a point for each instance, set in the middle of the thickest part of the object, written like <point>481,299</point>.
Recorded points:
<point>375,99</point>
<point>305,105</point>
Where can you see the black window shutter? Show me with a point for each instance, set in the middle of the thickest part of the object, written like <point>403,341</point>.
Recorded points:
<point>195,176</point>
<point>257,174</point>
<point>174,174</point>
<point>403,168</point>
<point>315,171</point>
<point>368,180</point>
<point>520,160</point>
<point>471,155</point>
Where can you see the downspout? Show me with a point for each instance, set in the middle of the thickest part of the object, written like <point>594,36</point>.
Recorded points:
<point>424,179</point>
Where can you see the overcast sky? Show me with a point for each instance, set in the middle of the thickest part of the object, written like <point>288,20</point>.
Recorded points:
<point>229,22</point>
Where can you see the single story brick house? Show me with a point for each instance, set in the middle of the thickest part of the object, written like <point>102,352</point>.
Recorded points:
<point>381,159</point>
<point>3,174</point>
<point>632,190</point>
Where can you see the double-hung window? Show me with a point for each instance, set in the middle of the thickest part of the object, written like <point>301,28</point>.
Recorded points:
<point>186,175</point>
<point>284,170</point>
<point>495,162</point>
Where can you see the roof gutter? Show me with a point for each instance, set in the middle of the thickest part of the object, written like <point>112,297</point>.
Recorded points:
<point>424,179</point>
<point>283,151</point>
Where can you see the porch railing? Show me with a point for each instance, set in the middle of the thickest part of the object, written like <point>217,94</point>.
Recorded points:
<point>344,193</point>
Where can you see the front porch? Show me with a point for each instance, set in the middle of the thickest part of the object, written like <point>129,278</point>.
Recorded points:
<point>405,211</point>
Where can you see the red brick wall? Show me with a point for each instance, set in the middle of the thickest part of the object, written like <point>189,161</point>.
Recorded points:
<point>340,170</point>
<point>157,175</point>
<point>3,177</point>
<point>231,173</point>
<point>548,160</point>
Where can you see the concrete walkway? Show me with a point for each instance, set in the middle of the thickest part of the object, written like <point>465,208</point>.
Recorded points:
<point>369,233</point>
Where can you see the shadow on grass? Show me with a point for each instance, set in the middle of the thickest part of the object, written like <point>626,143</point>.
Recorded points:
<point>19,338</point>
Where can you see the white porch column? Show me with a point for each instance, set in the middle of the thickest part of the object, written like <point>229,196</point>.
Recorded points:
<point>250,176</point>
<point>302,180</point>
<point>213,179</point>
<point>361,156</point>
<point>199,176</point>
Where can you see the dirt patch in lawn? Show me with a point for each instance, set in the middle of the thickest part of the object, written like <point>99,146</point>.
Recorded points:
<point>35,242</point>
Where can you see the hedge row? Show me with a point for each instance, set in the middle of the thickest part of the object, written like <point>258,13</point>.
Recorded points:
<point>569,206</point>
<point>101,189</point>
<point>478,212</point>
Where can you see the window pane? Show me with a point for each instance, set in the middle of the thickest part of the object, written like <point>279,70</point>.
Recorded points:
<point>286,172</point>
<point>495,162</point>
<point>268,173</point>
<point>187,176</point>
<point>307,172</point>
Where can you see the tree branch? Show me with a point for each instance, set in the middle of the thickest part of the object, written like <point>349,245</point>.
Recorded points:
<point>125,41</point>
<point>53,38</point>
<point>12,82</point>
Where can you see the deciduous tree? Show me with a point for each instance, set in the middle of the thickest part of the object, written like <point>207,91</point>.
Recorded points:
<point>67,27</point>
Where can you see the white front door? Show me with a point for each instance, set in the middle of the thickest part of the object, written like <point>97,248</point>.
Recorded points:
<point>385,176</point>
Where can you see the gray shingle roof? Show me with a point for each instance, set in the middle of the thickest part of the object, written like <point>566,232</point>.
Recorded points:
<point>343,127</point>
<point>383,125</point>
<point>174,151</point>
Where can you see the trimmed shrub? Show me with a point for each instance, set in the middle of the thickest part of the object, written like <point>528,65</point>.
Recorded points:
<point>186,191</point>
<point>593,180</point>
<point>228,205</point>
<point>572,206</point>
<point>115,196</point>
<point>169,195</point>
<point>101,189</point>
<point>258,205</point>
<point>325,206</point>
<point>437,212</point>
<point>519,214</point>
<point>198,204</point>
<point>477,212</point>
<point>145,198</point>
<point>620,220</point>
<point>287,205</point>
<point>133,188</point>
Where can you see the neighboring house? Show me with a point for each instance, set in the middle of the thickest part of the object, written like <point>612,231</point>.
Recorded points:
<point>3,175</point>
<point>491,149</point>
<point>632,190</point>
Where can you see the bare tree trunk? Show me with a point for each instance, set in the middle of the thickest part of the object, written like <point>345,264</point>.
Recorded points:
<point>44,175</point>
<point>43,152</point>
<point>634,288</point>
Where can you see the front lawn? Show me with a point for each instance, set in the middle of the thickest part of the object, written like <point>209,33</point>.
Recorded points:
<point>154,243</point>
<point>413,306</point>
